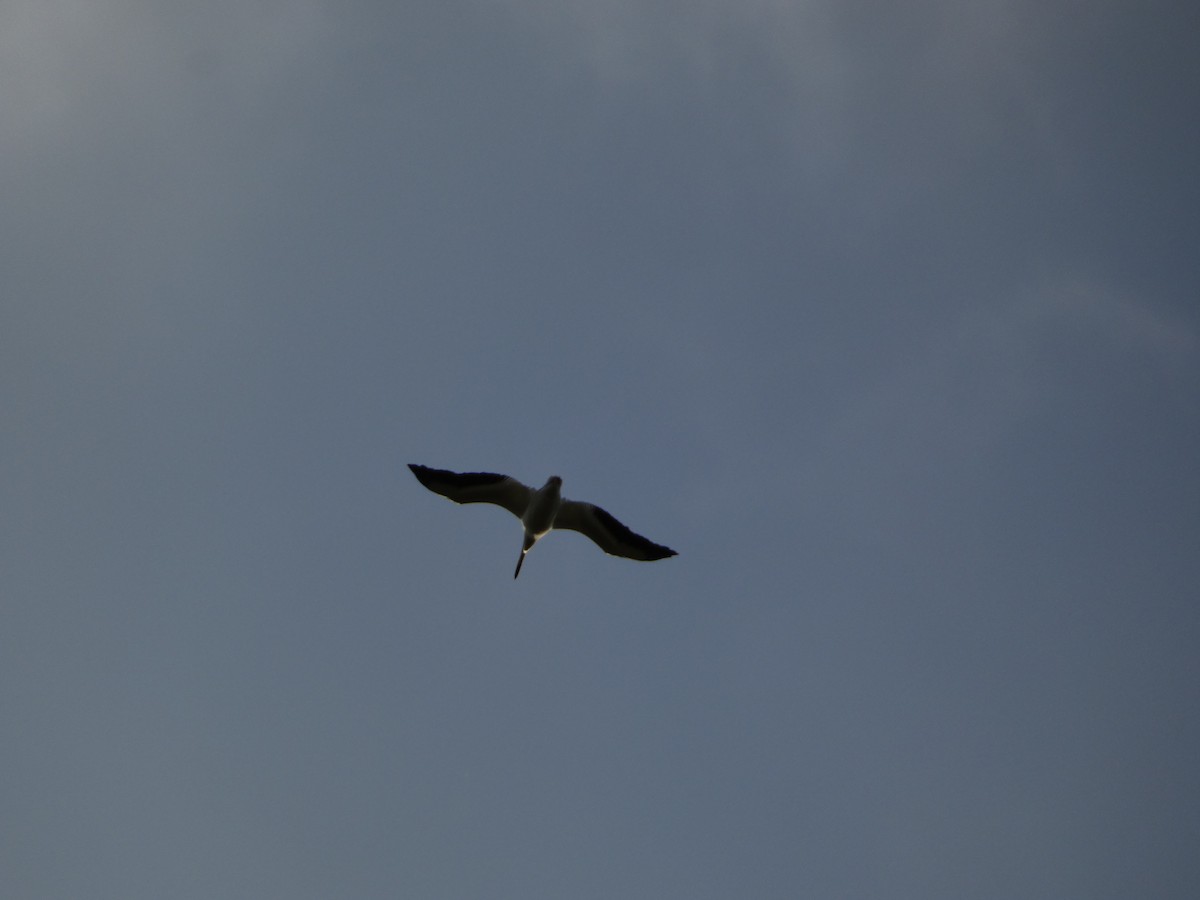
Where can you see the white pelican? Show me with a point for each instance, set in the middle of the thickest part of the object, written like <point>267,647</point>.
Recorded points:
<point>541,510</point>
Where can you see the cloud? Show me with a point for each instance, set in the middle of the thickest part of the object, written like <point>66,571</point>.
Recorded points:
<point>938,418</point>
<point>882,105</point>
<point>135,142</point>
<point>979,372</point>
<point>40,49</point>
<point>1121,319</point>
<point>65,61</point>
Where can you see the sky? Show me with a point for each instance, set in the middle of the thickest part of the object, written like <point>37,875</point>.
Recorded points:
<point>883,315</point>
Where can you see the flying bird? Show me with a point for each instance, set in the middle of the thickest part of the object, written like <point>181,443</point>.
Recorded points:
<point>541,510</point>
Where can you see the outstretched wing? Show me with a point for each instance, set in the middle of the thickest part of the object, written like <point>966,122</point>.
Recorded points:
<point>609,534</point>
<point>476,487</point>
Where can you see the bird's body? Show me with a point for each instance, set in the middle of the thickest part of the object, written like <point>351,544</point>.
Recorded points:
<point>541,510</point>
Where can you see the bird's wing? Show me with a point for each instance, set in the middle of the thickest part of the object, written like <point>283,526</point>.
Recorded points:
<point>476,487</point>
<point>609,534</point>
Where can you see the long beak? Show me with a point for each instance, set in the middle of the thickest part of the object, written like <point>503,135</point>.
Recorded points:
<point>530,540</point>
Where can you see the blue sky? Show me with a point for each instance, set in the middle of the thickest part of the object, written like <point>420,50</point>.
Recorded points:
<point>884,317</point>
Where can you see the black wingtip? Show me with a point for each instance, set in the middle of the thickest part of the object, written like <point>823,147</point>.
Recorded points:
<point>646,549</point>
<point>430,476</point>
<point>424,474</point>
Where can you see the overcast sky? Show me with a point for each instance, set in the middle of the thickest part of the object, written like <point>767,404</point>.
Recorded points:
<point>885,316</point>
